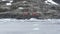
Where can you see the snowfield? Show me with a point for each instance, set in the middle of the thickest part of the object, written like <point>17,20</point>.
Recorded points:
<point>31,26</point>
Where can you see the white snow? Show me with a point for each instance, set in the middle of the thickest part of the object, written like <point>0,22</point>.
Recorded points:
<point>20,8</point>
<point>3,0</point>
<point>35,24</point>
<point>24,1</point>
<point>36,29</point>
<point>51,2</point>
<point>32,26</point>
<point>33,19</point>
<point>11,1</point>
<point>8,4</point>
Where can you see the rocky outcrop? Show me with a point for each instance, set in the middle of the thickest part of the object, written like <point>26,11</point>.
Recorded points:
<point>19,8</point>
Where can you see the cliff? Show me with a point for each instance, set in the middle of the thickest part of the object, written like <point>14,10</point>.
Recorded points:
<point>20,8</point>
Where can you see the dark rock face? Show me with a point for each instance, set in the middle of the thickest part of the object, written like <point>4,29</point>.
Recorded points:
<point>29,9</point>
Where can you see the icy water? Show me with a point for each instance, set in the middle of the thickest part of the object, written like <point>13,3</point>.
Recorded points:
<point>32,26</point>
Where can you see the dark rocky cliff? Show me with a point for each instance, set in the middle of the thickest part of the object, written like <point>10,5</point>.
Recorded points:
<point>20,8</point>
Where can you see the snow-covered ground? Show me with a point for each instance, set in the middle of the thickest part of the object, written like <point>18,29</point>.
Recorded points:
<point>31,26</point>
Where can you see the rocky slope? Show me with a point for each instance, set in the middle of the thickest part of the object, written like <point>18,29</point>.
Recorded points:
<point>17,9</point>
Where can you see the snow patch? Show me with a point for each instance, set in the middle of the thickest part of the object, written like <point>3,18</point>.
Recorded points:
<point>3,0</point>
<point>8,4</point>
<point>51,2</point>
<point>20,8</point>
<point>11,1</point>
